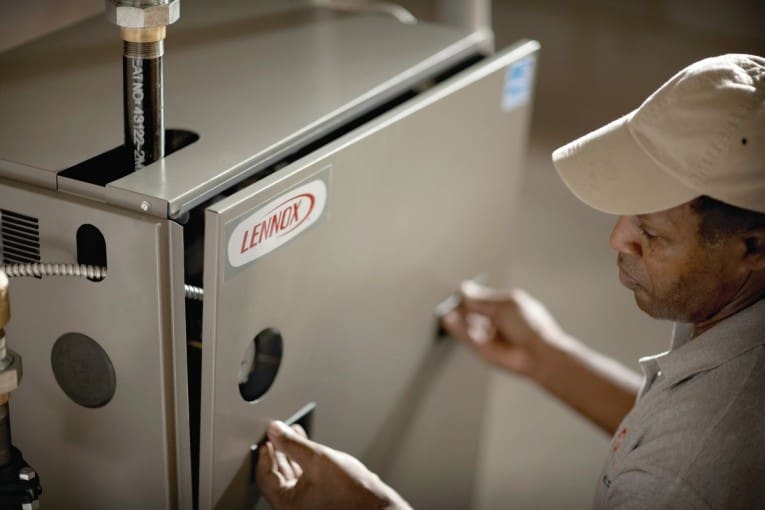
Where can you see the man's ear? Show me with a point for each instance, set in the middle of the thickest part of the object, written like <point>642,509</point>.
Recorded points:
<point>755,248</point>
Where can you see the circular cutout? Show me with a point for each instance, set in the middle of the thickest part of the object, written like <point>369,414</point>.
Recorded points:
<point>260,364</point>
<point>83,370</point>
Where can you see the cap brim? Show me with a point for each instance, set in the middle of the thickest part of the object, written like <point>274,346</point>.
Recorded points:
<point>609,171</point>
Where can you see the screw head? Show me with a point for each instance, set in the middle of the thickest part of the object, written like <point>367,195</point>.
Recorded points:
<point>145,206</point>
<point>27,473</point>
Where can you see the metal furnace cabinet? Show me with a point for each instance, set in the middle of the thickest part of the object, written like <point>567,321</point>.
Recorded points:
<point>334,177</point>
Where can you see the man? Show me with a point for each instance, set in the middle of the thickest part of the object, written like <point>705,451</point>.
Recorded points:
<point>685,172</point>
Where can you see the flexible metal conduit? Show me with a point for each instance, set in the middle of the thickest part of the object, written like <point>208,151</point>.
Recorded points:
<point>77,270</point>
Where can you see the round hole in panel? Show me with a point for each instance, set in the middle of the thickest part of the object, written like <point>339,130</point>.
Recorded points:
<point>83,370</point>
<point>260,364</point>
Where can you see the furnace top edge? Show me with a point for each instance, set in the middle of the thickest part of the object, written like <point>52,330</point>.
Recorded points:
<point>254,81</point>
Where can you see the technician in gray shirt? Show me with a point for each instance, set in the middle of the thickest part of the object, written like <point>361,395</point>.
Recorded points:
<point>685,172</point>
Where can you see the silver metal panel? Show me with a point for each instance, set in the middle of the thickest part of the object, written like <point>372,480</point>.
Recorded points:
<point>133,452</point>
<point>24,173</point>
<point>254,79</point>
<point>418,200</point>
<point>176,395</point>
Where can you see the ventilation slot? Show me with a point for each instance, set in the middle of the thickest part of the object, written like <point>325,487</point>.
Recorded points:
<point>20,240</point>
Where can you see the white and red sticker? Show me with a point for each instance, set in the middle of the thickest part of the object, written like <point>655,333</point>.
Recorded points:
<point>277,222</point>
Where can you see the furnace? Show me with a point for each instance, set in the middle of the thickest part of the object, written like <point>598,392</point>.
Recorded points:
<point>328,177</point>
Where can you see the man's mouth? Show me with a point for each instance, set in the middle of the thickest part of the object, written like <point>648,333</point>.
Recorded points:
<point>625,277</point>
<point>627,280</point>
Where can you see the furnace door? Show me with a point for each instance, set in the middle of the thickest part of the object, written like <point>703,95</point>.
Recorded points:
<point>332,267</point>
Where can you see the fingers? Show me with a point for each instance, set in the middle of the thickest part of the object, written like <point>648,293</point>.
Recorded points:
<point>454,324</point>
<point>475,299</point>
<point>270,481</point>
<point>300,430</point>
<point>478,298</point>
<point>475,335</point>
<point>276,466</point>
<point>285,467</point>
<point>296,469</point>
<point>295,466</point>
<point>294,444</point>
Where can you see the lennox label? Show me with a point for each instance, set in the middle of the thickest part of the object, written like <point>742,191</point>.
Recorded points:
<point>276,223</point>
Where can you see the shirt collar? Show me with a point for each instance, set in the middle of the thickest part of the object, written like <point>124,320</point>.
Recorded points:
<point>735,335</point>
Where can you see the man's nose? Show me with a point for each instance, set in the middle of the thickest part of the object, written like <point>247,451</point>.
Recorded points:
<point>625,238</point>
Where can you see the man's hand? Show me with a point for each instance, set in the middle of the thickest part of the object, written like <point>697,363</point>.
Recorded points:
<point>508,328</point>
<point>296,473</point>
<point>512,330</point>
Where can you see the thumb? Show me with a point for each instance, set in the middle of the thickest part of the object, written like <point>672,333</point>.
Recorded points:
<point>298,448</point>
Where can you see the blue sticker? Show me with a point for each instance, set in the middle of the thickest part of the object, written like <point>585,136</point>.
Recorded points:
<point>518,83</point>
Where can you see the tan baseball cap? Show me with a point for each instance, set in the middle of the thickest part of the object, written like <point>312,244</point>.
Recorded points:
<point>701,133</point>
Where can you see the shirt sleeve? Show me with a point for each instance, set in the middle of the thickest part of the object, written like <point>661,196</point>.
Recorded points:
<point>641,490</point>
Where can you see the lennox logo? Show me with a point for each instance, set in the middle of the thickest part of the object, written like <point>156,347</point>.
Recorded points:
<point>276,223</point>
<point>280,221</point>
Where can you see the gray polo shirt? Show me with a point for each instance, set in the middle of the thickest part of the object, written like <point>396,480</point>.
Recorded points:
<point>695,438</point>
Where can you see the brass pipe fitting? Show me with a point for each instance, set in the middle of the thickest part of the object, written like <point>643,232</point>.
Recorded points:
<point>5,305</point>
<point>10,362</point>
<point>143,35</point>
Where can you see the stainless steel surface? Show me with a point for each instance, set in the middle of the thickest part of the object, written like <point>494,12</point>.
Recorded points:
<point>158,13</point>
<point>255,80</point>
<point>135,444</point>
<point>418,199</point>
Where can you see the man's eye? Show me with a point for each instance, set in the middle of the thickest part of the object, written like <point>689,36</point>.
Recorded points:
<point>648,235</point>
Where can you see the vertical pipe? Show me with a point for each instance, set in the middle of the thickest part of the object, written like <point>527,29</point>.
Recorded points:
<point>144,101</point>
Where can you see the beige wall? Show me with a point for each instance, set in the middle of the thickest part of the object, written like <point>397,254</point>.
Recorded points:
<point>599,60</point>
<point>22,21</point>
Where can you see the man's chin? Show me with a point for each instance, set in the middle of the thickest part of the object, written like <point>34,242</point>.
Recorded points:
<point>642,302</point>
<point>650,307</point>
